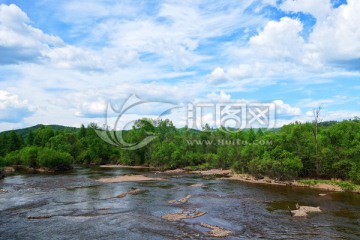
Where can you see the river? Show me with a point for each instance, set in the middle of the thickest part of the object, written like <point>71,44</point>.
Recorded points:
<point>78,207</point>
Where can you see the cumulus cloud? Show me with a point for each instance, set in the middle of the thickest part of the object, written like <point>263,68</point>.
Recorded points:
<point>13,109</point>
<point>337,37</point>
<point>284,109</point>
<point>92,109</point>
<point>320,9</point>
<point>217,76</point>
<point>20,42</point>
<point>276,51</point>
<point>172,50</point>
<point>222,96</point>
<point>279,40</point>
<point>332,47</point>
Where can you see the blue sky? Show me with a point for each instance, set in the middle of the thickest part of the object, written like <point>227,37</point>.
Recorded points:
<point>62,62</point>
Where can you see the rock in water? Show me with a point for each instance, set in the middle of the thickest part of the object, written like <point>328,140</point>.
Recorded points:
<point>216,231</point>
<point>304,210</point>
<point>179,216</point>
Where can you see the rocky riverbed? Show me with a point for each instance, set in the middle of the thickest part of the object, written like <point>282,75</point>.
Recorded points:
<point>168,206</point>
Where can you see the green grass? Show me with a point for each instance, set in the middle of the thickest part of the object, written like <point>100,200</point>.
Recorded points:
<point>345,185</point>
<point>204,166</point>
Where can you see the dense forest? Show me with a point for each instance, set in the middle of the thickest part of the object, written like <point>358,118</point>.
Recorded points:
<point>299,150</point>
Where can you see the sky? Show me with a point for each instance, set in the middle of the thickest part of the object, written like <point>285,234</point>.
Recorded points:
<point>64,62</point>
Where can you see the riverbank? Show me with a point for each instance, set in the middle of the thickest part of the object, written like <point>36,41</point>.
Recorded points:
<point>126,166</point>
<point>326,185</point>
<point>22,168</point>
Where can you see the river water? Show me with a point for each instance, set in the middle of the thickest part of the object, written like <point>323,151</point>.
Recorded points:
<point>78,207</point>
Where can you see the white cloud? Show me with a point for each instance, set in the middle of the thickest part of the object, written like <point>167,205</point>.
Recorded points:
<point>337,37</point>
<point>71,57</point>
<point>320,9</point>
<point>13,109</point>
<point>92,109</point>
<point>217,76</point>
<point>20,42</point>
<point>171,52</point>
<point>219,97</point>
<point>338,115</point>
<point>279,40</point>
<point>269,2</point>
<point>285,109</point>
<point>312,103</point>
<point>171,34</point>
<point>276,52</point>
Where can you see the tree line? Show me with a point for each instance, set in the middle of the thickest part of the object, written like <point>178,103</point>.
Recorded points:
<point>298,150</point>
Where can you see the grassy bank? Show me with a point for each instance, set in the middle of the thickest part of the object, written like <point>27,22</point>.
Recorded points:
<point>344,185</point>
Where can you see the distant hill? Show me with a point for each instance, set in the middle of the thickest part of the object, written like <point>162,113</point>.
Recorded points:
<point>25,131</point>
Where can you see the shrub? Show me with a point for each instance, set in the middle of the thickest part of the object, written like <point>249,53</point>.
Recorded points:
<point>342,168</point>
<point>12,158</point>
<point>355,173</point>
<point>29,155</point>
<point>54,159</point>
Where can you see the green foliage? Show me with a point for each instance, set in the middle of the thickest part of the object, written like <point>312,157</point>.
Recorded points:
<point>354,173</point>
<point>28,156</point>
<point>287,167</point>
<point>82,132</point>
<point>15,142</point>
<point>287,153</point>
<point>42,136</point>
<point>54,159</point>
<point>13,158</point>
<point>30,138</point>
<point>341,169</point>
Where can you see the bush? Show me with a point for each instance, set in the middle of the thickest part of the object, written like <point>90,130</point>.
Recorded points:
<point>12,158</point>
<point>287,168</point>
<point>84,157</point>
<point>261,166</point>
<point>342,168</point>
<point>54,159</point>
<point>355,173</point>
<point>29,155</point>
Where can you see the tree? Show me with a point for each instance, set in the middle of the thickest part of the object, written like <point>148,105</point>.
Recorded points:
<point>317,120</point>
<point>30,138</point>
<point>82,131</point>
<point>14,142</point>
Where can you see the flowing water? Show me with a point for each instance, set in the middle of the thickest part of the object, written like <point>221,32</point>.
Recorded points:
<point>75,206</point>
